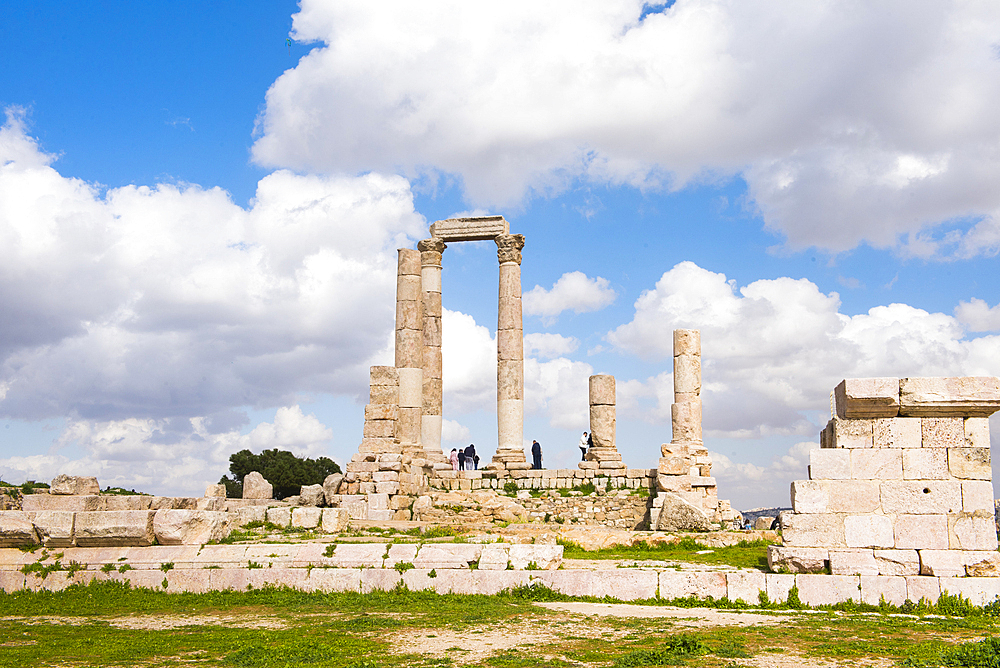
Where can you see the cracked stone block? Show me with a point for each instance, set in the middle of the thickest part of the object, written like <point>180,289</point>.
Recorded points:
<point>867,397</point>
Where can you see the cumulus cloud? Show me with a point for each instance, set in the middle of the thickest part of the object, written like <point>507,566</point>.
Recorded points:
<point>454,431</point>
<point>574,291</point>
<point>550,345</point>
<point>872,125</point>
<point>748,485</point>
<point>978,316</point>
<point>172,301</point>
<point>774,349</point>
<point>167,455</point>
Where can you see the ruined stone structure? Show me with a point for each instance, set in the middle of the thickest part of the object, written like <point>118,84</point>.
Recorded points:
<point>901,484</point>
<point>603,456</point>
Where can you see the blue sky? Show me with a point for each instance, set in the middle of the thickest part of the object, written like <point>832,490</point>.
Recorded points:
<point>201,219</point>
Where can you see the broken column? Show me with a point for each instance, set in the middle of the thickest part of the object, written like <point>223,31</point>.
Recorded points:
<point>603,453</point>
<point>410,345</point>
<point>430,271</point>
<point>380,443</point>
<point>510,356</point>
<point>684,474</point>
<point>900,485</point>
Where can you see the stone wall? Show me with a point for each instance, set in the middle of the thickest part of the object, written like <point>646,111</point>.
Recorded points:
<point>621,510</point>
<point>545,478</point>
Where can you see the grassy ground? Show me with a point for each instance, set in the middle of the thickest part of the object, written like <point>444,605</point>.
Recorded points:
<point>110,624</point>
<point>744,555</point>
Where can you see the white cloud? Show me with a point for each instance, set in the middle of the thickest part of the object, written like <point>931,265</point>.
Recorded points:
<point>549,345</point>
<point>873,124</point>
<point>774,349</point>
<point>573,291</point>
<point>559,389</point>
<point>173,302</point>
<point>166,455</point>
<point>978,316</point>
<point>747,485</point>
<point>454,431</point>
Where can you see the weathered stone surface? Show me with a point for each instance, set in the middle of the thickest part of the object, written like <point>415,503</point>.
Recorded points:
<point>480,228</point>
<point>896,433</point>
<point>876,588</point>
<point>545,557</point>
<point>921,532</point>
<point>699,584</point>
<point>829,464</point>
<point>307,518</point>
<point>677,514</point>
<point>977,495</point>
<point>778,586</point>
<point>979,591</point>
<point>16,529</point>
<point>970,463</point>
<point>76,485</point>
<point>687,375</point>
<point>809,496</point>
<point>383,376</point>
<point>673,466</point>
<point>447,556</point>
<point>852,433</point>
<point>687,342</point>
<point>877,464</point>
<point>972,531</point>
<point>334,520</point>
<point>868,531</point>
<point>925,464</point>
<point>977,432</point>
<point>331,487</point>
<point>130,502</point>
<point>603,425</point>
<point>188,527</point>
<point>982,564</point>
<point>215,492</point>
<point>853,562</point>
<point>919,588</point>
<point>922,497</point>
<point>54,527</point>
<point>812,530</point>
<point>942,563</point>
<point>115,528</point>
<point>975,396</point>
<point>897,562</point>
<point>828,589</point>
<point>745,586</point>
<point>602,389</point>
<point>387,395</point>
<point>312,495</point>
<point>853,496</point>
<point>280,516</point>
<point>784,559</point>
<point>942,432</point>
<point>867,398</point>
<point>256,487</point>
<point>33,502</point>
<point>381,412</point>
<point>685,421</point>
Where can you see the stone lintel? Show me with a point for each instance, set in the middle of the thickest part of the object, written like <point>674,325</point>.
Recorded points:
<point>479,228</point>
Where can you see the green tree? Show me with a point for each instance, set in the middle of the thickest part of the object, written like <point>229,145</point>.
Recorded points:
<point>286,472</point>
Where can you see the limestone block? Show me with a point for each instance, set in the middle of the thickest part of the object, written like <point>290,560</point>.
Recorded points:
<point>922,497</point>
<point>409,348</point>
<point>215,492</point>
<point>745,586</point>
<point>494,557</point>
<point>763,523</point>
<point>256,487</point>
<point>677,514</point>
<point>919,588</point>
<point>312,495</point>
<point>383,376</point>
<point>970,463</point>
<point>867,398</point>
<point>673,466</point>
<point>602,390</point>
<point>455,555</point>
<point>334,520</point>
<point>34,502</point>
<point>829,464</point>
<point>979,591</point>
<point>685,421</point>
<point>411,387</point>
<point>381,412</point>
<point>243,516</point>
<point>480,228</point>
<point>977,495</point>
<point>880,464</point>
<point>875,588</point>
<point>510,344</point>
<point>853,562</point>
<point>409,287</point>
<point>668,483</point>
<point>602,425</point>
<point>432,362</point>
<point>981,563</point>
<point>510,379</point>
<point>188,527</point>
<point>53,527</point>
<point>828,589</point>
<point>509,313</point>
<point>853,496</point>
<point>16,528</point>
<point>699,584</point>
<point>408,263</point>
<point>942,563</point>
<point>778,586</point>
<point>409,314</point>
<point>921,532</point>
<point>384,394</point>
<point>687,342</point>
<point>812,530</point>
<point>947,432</point>
<point>409,425</point>
<point>975,396</point>
<point>687,375</point>
<point>972,531</point>
<point>379,429</point>
<point>897,562</point>
<point>331,487</point>
<point>280,516</point>
<point>379,501</point>
<point>115,528</point>
<point>853,433</point>
<point>545,557</point>
<point>307,518</point>
<point>134,502</point>
<point>359,555</point>
<point>384,488</point>
<point>11,581</point>
<point>896,433</point>
<point>925,464</point>
<point>868,531</point>
<point>75,485</point>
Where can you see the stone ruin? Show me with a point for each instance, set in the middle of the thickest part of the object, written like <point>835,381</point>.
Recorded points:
<point>901,484</point>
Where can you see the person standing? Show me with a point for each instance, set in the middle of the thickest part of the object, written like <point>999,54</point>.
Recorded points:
<point>470,457</point>
<point>584,444</point>
<point>461,460</point>
<point>536,455</point>
<point>453,458</point>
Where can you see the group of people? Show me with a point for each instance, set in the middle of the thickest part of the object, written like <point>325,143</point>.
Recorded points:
<point>465,459</point>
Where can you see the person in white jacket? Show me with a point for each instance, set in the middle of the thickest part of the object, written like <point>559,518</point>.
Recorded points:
<point>584,444</point>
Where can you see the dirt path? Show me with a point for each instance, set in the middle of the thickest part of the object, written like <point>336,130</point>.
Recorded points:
<point>689,617</point>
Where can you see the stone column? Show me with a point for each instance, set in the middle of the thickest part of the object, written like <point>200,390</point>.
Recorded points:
<point>409,345</point>
<point>685,413</point>
<point>602,411</point>
<point>510,353</point>
<point>430,271</point>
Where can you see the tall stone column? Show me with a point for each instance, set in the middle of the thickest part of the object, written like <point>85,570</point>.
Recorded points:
<point>409,345</point>
<point>510,355</point>
<point>430,271</point>
<point>685,413</point>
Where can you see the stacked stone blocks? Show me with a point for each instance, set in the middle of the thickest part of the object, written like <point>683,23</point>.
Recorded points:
<point>603,456</point>
<point>901,484</point>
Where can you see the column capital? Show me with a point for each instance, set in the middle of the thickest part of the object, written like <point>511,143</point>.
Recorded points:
<point>431,244</point>
<point>509,247</point>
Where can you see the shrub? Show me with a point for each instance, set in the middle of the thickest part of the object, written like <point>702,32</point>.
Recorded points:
<point>286,472</point>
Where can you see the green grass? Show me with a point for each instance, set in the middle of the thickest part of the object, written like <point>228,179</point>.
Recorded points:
<point>747,554</point>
